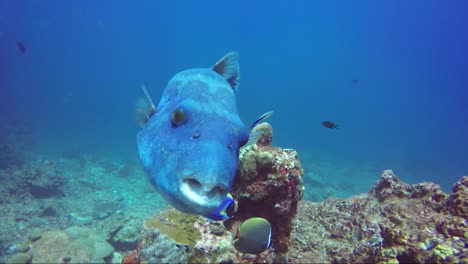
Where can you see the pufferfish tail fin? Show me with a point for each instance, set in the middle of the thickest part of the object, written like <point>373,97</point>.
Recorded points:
<point>144,108</point>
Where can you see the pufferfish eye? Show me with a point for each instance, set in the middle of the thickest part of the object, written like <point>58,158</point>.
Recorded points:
<point>178,117</point>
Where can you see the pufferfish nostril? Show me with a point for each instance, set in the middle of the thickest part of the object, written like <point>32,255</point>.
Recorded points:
<point>194,185</point>
<point>196,135</point>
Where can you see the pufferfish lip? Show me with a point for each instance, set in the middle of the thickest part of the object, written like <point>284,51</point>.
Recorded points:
<point>201,195</point>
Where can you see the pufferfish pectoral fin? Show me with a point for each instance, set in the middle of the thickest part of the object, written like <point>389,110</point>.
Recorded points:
<point>228,67</point>
<point>255,135</point>
<point>144,108</point>
<point>261,119</point>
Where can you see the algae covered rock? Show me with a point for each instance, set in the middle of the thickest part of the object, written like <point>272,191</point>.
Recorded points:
<point>395,223</point>
<point>169,237</point>
<point>86,242</point>
<point>125,235</point>
<point>269,185</point>
<point>174,237</point>
<point>19,258</point>
<point>458,200</point>
<point>248,163</point>
<point>23,247</point>
<point>176,225</point>
<point>35,235</point>
<point>79,245</point>
<point>156,247</point>
<point>267,134</point>
<point>46,181</point>
<point>104,209</point>
<point>52,247</point>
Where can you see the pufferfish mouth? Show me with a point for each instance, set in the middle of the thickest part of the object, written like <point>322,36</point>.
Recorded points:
<point>207,196</point>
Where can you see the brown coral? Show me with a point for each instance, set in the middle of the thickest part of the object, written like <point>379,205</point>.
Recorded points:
<point>458,200</point>
<point>267,134</point>
<point>269,185</point>
<point>132,258</point>
<point>397,222</point>
<point>176,225</point>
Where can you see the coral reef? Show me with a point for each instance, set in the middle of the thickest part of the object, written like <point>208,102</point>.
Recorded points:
<point>46,181</point>
<point>173,237</point>
<point>79,190</point>
<point>158,248</point>
<point>177,226</point>
<point>104,209</point>
<point>458,200</point>
<point>40,178</point>
<point>123,233</point>
<point>395,223</point>
<point>30,198</point>
<point>269,185</point>
<point>213,238</point>
<point>41,197</point>
<point>74,245</point>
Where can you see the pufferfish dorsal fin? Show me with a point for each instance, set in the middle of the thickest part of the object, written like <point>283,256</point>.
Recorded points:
<point>228,67</point>
<point>144,108</point>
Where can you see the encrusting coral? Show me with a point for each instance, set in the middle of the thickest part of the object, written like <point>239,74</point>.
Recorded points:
<point>74,245</point>
<point>176,225</point>
<point>395,223</point>
<point>268,184</point>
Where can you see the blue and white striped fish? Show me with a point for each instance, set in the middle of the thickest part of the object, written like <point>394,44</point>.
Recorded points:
<point>189,144</point>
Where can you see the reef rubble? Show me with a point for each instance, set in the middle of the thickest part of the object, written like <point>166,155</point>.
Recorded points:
<point>44,196</point>
<point>395,223</point>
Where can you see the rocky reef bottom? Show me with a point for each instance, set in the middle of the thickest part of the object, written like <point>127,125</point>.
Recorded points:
<point>79,208</point>
<point>394,223</point>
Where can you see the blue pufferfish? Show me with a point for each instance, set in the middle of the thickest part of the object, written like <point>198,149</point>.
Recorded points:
<point>189,144</point>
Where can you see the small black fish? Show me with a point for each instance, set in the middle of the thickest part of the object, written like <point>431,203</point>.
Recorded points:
<point>330,125</point>
<point>355,81</point>
<point>21,47</point>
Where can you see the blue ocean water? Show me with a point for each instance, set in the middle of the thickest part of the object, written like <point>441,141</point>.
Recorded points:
<point>76,83</point>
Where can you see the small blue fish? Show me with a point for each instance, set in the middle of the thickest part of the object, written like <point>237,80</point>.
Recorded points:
<point>189,144</point>
<point>224,211</point>
<point>21,47</point>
